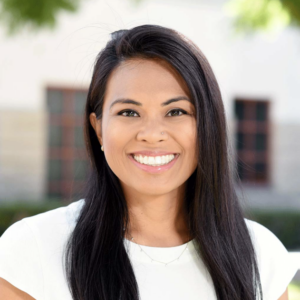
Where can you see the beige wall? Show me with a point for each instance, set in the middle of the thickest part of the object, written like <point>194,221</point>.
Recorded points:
<point>286,158</point>
<point>22,155</point>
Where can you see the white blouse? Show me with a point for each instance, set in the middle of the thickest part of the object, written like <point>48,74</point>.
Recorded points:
<point>31,259</point>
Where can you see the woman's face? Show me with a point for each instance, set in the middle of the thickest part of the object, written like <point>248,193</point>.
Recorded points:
<point>127,128</point>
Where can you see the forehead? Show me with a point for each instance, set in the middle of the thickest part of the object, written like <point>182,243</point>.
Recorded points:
<point>145,78</point>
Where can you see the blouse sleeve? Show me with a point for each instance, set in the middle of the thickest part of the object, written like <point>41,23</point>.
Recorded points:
<point>20,261</point>
<point>276,265</point>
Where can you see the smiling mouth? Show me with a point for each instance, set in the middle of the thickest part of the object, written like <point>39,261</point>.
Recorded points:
<point>154,161</point>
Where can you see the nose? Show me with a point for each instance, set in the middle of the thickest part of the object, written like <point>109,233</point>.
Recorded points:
<point>152,132</point>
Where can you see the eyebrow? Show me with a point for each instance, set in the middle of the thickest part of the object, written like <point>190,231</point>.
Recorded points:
<point>130,101</point>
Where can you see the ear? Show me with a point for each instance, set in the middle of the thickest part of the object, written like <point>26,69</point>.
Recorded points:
<point>96,124</point>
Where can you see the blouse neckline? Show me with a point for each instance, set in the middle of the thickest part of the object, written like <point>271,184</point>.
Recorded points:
<point>181,253</point>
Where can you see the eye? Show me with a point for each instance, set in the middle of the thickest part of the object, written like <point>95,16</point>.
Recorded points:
<point>130,113</point>
<point>178,110</point>
<point>127,111</point>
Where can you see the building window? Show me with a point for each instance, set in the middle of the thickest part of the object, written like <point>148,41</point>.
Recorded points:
<point>67,163</point>
<point>252,140</point>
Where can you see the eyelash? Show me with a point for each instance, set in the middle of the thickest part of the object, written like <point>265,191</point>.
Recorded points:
<point>130,110</point>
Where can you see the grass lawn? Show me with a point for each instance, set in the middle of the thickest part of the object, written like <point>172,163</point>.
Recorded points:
<point>294,290</point>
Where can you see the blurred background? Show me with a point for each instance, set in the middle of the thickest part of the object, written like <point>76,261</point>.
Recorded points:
<point>47,52</point>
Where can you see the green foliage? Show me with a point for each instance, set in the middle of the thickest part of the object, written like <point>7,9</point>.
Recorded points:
<point>267,15</point>
<point>13,212</point>
<point>249,15</point>
<point>293,7</point>
<point>33,13</point>
<point>294,290</point>
<point>284,224</point>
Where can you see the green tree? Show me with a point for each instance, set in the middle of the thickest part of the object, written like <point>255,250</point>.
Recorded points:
<point>35,14</point>
<point>266,15</point>
<point>249,15</point>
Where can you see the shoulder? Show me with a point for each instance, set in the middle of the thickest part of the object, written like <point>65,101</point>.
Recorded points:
<point>269,249</point>
<point>262,236</point>
<point>275,264</point>
<point>50,230</point>
<point>66,214</point>
<point>32,246</point>
<point>46,226</point>
<point>59,220</point>
<point>265,241</point>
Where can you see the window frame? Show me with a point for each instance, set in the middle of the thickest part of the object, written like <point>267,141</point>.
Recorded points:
<point>249,126</point>
<point>68,120</point>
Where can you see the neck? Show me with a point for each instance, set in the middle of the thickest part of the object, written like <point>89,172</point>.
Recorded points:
<point>159,221</point>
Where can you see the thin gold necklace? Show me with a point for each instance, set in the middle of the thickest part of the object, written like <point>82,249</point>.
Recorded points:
<point>142,250</point>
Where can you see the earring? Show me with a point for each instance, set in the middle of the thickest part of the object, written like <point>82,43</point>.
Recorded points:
<point>102,148</point>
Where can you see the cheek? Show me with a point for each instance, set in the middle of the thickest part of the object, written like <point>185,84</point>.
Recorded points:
<point>188,135</point>
<point>115,139</point>
<point>188,140</point>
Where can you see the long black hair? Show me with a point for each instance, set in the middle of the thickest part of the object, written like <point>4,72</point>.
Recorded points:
<point>97,264</point>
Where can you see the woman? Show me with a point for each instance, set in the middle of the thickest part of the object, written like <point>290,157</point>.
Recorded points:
<point>160,218</point>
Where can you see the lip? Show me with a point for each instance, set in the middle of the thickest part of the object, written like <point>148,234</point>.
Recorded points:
<point>153,153</point>
<point>153,169</point>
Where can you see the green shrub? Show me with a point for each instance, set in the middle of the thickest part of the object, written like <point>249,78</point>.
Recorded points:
<point>284,224</point>
<point>15,211</point>
<point>294,290</point>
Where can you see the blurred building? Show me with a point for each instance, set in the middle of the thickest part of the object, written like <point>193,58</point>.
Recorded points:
<point>44,79</point>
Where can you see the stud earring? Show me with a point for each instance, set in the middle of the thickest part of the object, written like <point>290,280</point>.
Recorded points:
<point>102,148</point>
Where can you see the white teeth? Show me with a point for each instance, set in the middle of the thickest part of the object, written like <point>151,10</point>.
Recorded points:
<point>154,161</point>
<point>158,160</point>
<point>151,160</point>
